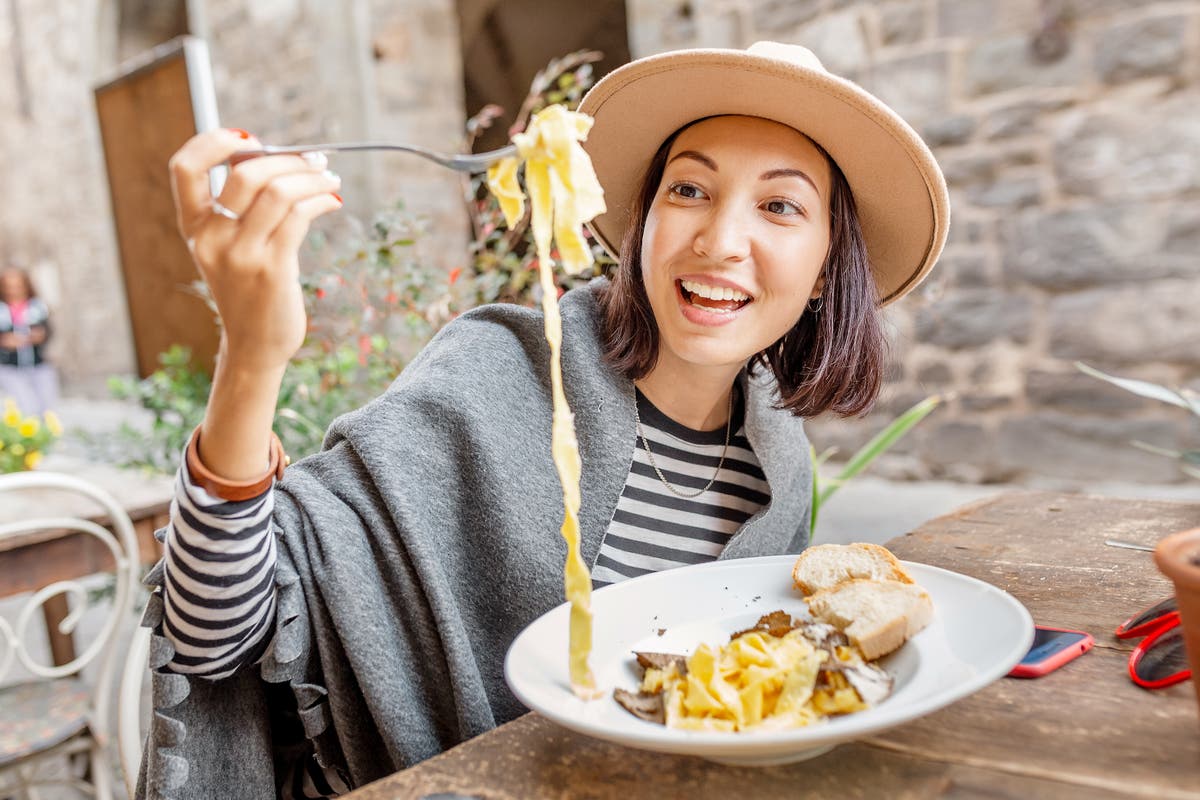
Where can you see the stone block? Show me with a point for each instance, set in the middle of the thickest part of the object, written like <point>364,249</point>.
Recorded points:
<point>1074,392</point>
<point>965,269</point>
<point>1183,229</point>
<point>916,87</point>
<point>1094,245</point>
<point>966,17</point>
<point>782,17</point>
<point>966,231</point>
<point>1143,151</point>
<point>1005,63</point>
<point>950,130</point>
<point>976,401</point>
<point>973,318</point>
<point>902,23</point>
<point>954,442</point>
<point>1020,119</point>
<point>1073,447</point>
<point>1142,48</point>
<point>937,374</point>
<point>987,166</point>
<point>1137,323</point>
<point>1012,192</point>
<point>839,40</point>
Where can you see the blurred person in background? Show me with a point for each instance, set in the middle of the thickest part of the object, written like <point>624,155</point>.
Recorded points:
<point>25,375</point>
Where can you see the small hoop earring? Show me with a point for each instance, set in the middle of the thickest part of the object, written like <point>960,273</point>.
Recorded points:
<point>815,304</point>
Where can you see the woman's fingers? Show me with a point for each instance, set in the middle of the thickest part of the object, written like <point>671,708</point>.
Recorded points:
<point>250,177</point>
<point>290,233</point>
<point>189,169</point>
<point>276,199</point>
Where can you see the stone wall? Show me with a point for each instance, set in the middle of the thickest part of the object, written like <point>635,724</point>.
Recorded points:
<point>288,70</point>
<point>55,216</point>
<point>1070,135</point>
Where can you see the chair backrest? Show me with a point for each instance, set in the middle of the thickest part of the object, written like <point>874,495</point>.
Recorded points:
<point>121,543</point>
<point>129,703</point>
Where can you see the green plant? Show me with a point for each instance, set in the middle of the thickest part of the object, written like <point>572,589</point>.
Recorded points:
<point>1189,460</point>
<point>822,490</point>
<point>176,394</point>
<point>504,260</point>
<point>23,439</point>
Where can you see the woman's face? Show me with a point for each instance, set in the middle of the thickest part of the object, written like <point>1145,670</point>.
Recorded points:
<point>734,240</point>
<point>12,286</point>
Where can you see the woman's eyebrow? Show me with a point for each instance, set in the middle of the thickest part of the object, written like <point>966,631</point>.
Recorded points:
<point>789,173</point>
<point>692,154</point>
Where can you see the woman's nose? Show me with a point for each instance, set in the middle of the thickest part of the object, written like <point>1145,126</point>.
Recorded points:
<point>722,236</point>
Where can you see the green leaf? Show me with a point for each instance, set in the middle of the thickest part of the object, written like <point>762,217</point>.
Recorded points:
<point>1146,389</point>
<point>881,442</point>
<point>1158,451</point>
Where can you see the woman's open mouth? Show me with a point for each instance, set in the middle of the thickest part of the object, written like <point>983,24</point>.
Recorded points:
<point>714,299</point>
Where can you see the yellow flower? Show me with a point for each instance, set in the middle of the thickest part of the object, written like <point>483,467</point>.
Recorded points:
<point>17,449</point>
<point>29,427</point>
<point>32,459</point>
<point>53,423</point>
<point>12,416</point>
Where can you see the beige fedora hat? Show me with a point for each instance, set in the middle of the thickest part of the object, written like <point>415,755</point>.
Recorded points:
<point>898,188</point>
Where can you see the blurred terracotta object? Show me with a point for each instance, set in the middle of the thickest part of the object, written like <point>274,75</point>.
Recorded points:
<point>1178,557</point>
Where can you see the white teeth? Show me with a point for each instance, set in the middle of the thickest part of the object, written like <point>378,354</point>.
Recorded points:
<point>714,292</point>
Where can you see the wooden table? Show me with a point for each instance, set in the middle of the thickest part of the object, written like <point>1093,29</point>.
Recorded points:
<point>1082,731</point>
<point>31,561</point>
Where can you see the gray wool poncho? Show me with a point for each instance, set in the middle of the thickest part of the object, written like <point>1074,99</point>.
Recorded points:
<point>417,545</point>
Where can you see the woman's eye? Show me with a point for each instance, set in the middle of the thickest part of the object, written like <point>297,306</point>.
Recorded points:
<point>784,207</point>
<point>687,191</point>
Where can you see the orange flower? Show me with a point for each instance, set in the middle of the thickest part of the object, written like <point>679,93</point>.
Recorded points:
<point>454,273</point>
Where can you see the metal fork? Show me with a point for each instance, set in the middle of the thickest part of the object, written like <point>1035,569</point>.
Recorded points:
<point>474,162</point>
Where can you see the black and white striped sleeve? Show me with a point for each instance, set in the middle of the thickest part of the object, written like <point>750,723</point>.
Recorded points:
<point>219,591</point>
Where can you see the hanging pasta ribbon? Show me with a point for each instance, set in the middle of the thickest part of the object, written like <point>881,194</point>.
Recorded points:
<point>563,194</point>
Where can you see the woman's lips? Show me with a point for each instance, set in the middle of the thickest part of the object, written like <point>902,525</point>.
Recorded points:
<point>706,310</point>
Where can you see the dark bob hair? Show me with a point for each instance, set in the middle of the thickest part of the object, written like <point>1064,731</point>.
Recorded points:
<point>831,360</point>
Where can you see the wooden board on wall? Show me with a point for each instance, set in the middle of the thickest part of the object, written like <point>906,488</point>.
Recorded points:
<point>145,115</point>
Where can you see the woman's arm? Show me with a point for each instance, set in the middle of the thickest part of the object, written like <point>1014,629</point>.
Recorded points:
<point>220,555</point>
<point>251,266</point>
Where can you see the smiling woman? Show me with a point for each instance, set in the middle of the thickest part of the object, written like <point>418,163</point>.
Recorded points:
<point>761,211</point>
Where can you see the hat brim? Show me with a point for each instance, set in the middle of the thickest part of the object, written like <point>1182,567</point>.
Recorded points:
<point>898,188</point>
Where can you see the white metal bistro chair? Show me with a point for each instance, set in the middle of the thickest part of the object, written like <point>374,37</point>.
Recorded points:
<point>54,715</point>
<point>129,705</point>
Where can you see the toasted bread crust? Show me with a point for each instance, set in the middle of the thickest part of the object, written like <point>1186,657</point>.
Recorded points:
<point>883,565</point>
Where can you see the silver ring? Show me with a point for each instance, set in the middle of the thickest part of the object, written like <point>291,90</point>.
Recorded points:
<point>228,213</point>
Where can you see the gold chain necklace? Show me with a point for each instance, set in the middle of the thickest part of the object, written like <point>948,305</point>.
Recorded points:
<point>642,435</point>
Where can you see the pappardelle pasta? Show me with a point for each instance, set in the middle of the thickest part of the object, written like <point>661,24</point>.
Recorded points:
<point>779,674</point>
<point>563,195</point>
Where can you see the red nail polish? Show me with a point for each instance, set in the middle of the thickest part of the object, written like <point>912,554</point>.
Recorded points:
<point>338,197</point>
<point>241,133</point>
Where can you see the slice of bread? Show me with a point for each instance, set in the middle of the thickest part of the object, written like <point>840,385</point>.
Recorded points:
<point>876,615</point>
<point>824,566</point>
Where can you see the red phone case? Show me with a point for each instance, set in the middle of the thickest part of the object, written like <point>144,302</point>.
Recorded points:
<point>1056,660</point>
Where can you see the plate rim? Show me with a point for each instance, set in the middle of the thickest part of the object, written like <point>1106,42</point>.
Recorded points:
<point>707,743</point>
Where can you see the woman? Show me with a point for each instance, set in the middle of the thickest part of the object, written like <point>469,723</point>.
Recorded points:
<point>362,605</point>
<point>25,375</point>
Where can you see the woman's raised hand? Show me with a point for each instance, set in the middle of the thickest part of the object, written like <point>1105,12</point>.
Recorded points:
<point>246,242</point>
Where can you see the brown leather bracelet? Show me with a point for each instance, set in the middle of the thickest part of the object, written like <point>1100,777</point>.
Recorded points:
<point>234,491</point>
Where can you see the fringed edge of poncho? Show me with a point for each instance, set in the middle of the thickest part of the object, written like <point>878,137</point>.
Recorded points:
<point>168,769</point>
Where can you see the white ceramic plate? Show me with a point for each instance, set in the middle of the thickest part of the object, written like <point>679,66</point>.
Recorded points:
<point>977,635</point>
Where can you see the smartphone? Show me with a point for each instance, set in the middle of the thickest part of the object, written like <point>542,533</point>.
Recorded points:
<point>1051,648</point>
